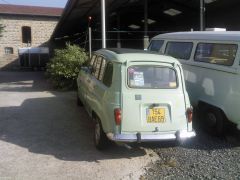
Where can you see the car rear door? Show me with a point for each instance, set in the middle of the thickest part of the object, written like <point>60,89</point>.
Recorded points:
<point>83,80</point>
<point>152,98</point>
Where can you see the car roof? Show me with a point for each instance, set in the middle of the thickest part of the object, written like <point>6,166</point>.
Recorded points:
<point>202,35</point>
<point>122,55</point>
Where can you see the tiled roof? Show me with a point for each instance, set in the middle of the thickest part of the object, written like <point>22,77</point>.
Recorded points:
<point>30,10</point>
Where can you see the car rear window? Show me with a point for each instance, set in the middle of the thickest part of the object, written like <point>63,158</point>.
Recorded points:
<point>216,53</point>
<point>152,77</point>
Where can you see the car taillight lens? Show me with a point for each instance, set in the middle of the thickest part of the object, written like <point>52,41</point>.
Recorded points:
<point>118,116</point>
<point>189,114</point>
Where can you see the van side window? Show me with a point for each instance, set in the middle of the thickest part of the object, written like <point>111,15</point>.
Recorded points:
<point>215,53</point>
<point>92,60</point>
<point>107,78</point>
<point>179,50</point>
<point>97,66</point>
<point>103,65</point>
<point>155,45</point>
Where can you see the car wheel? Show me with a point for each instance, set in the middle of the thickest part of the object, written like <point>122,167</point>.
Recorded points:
<point>100,139</point>
<point>79,102</point>
<point>214,119</point>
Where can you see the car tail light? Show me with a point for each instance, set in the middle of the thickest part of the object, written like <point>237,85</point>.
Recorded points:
<point>189,114</point>
<point>118,116</point>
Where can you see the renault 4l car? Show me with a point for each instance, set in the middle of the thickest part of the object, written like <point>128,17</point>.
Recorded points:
<point>135,96</point>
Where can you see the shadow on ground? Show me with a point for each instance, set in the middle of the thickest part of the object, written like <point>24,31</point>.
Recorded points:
<point>49,122</point>
<point>23,81</point>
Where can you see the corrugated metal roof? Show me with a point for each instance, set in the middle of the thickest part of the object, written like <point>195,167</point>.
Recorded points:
<point>30,10</point>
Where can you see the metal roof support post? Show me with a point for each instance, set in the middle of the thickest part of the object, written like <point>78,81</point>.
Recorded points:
<point>90,41</point>
<point>202,15</point>
<point>118,28</point>
<point>146,37</point>
<point>103,13</point>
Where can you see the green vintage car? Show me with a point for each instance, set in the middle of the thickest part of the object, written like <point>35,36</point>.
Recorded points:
<point>135,96</point>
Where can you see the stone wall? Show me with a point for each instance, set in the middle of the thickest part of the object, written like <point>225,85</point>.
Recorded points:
<point>41,30</point>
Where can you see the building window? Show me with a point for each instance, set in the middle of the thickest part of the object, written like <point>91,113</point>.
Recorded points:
<point>26,34</point>
<point>8,50</point>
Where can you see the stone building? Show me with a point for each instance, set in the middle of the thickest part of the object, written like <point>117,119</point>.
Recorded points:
<point>25,26</point>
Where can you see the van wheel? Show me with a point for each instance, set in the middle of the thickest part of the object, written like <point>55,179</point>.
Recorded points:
<point>79,102</point>
<point>214,119</point>
<point>100,139</point>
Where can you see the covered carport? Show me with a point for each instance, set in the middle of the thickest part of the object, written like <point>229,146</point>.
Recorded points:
<point>130,22</point>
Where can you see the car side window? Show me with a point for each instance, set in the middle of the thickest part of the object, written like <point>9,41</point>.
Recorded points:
<point>97,66</point>
<point>103,66</point>
<point>92,60</point>
<point>107,77</point>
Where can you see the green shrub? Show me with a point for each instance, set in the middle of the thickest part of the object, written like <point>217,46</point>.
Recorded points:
<point>64,67</point>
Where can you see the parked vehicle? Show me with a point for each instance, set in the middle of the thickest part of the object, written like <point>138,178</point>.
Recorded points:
<point>135,96</point>
<point>212,71</point>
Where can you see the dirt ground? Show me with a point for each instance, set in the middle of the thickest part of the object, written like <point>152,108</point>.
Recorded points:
<point>44,135</point>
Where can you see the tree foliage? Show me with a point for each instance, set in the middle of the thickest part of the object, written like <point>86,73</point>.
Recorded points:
<point>64,67</point>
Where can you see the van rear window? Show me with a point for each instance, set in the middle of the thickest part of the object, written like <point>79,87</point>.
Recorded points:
<point>215,53</point>
<point>149,77</point>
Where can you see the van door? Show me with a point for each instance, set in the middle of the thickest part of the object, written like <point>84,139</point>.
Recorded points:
<point>153,98</point>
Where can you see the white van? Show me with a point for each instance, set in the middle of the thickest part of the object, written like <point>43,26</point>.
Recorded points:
<point>211,63</point>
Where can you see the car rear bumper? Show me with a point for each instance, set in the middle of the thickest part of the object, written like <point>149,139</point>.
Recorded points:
<point>138,137</point>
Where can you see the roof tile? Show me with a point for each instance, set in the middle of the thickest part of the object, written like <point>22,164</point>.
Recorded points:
<point>30,10</point>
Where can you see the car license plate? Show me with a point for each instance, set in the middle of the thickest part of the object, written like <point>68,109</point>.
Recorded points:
<point>156,115</point>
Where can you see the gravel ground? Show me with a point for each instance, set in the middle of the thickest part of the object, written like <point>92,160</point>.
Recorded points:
<point>204,157</point>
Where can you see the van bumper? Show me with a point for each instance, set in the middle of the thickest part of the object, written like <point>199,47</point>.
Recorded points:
<point>138,137</point>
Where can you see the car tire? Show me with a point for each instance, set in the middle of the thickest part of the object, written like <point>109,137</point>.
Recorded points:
<point>79,102</point>
<point>100,139</point>
<point>214,120</point>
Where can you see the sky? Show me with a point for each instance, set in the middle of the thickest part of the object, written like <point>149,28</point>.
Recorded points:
<point>46,3</point>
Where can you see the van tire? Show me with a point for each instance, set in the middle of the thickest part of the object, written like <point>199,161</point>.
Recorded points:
<point>214,120</point>
<point>100,139</point>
